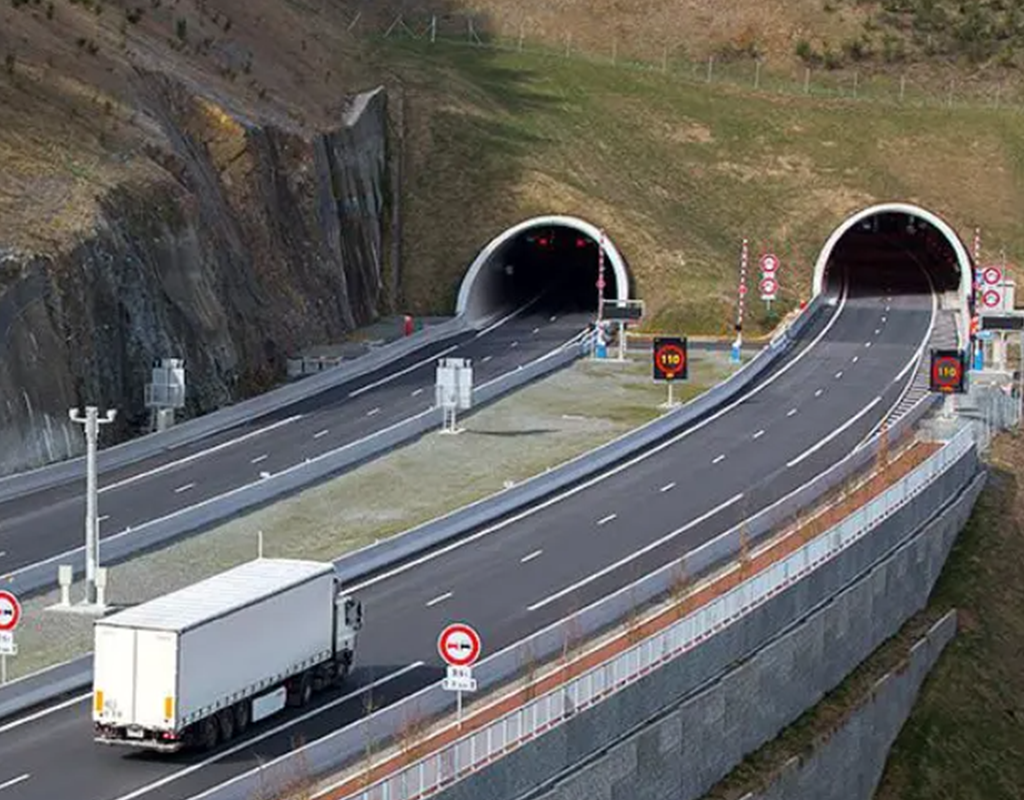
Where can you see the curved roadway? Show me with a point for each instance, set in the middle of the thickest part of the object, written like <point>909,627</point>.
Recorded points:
<point>48,523</point>
<point>534,568</point>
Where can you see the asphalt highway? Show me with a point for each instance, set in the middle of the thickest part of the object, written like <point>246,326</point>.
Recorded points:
<point>537,566</point>
<point>48,523</point>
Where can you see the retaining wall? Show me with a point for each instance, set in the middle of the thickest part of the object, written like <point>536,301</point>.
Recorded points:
<point>848,764</point>
<point>678,731</point>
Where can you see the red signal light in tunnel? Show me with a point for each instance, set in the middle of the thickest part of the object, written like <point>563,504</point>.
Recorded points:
<point>581,242</point>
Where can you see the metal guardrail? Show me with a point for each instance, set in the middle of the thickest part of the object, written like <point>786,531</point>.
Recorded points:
<point>496,739</point>
<point>229,416</point>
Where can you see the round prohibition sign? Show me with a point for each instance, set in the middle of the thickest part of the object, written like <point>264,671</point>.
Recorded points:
<point>946,372</point>
<point>10,611</point>
<point>991,275</point>
<point>459,645</point>
<point>990,299</point>
<point>670,359</point>
<point>769,286</point>
<point>769,263</point>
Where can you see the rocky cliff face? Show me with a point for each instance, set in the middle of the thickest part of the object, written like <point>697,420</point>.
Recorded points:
<point>259,241</point>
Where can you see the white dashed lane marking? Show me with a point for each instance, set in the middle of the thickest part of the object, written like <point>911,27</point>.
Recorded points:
<point>606,520</point>
<point>667,487</point>
<point>719,459</point>
<point>791,413</point>
<point>759,434</point>
<point>320,434</point>
<point>530,556</point>
<point>439,599</point>
<point>184,488</point>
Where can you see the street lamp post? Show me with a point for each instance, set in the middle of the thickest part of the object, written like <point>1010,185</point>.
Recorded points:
<point>91,422</point>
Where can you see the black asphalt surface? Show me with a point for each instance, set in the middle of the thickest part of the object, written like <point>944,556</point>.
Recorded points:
<point>44,524</point>
<point>519,577</point>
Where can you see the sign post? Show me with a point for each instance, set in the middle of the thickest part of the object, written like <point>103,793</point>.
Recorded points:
<point>459,646</point>
<point>769,278</point>
<point>454,390</point>
<point>10,614</point>
<point>670,363</point>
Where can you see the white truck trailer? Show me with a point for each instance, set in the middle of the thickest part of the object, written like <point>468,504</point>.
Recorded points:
<point>196,667</point>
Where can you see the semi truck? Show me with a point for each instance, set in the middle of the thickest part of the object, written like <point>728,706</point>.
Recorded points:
<point>198,666</point>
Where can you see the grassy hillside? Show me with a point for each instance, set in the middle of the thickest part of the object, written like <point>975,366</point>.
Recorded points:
<point>678,172</point>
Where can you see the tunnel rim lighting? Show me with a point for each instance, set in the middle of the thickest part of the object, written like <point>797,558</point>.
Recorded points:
<point>963,257</point>
<point>613,258</point>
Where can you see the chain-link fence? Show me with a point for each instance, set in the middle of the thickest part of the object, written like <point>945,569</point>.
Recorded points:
<point>911,87</point>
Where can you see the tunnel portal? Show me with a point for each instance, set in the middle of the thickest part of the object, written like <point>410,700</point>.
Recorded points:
<point>551,261</point>
<point>896,248</point>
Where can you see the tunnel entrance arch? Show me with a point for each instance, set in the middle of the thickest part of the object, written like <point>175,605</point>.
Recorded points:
<point>866,217</point>
<point>485,287</point>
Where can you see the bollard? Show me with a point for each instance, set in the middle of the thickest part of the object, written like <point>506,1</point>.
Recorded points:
<point>65,575</point>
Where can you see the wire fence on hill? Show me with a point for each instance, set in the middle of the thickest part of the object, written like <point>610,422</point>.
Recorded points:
<point>915,87</point>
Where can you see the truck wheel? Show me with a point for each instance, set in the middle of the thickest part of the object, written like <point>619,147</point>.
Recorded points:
<point>209,733</point>
<point>300,692</point>
<point>243,715</point>
<point>226,722</point>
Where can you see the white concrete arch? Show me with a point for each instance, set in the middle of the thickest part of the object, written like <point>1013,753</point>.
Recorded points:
<point>614,259</point>
<point>962,256</point>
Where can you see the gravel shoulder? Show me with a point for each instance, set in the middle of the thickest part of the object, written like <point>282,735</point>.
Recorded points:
<point>537,428</point>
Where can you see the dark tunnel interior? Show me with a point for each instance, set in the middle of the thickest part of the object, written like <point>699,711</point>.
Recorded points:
<point>890,253</point>
<point>557,265</point>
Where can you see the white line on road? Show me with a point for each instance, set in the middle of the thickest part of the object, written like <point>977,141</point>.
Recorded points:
<point>530,556</point>
<point>15,781</point>
<point>318,434</point>
<point>372,411</point>
<point>819,392</point>
<point>248,742</point>
<point>46,712</point>
<point>668,487</point>
<point>605,520</point>
<point>485,359</point>
<point>401,372</point>
<point>258,459</point>
<point>104,518</point>
<point>439,599</point>
<point>791,413</point>
<point>184,488</point>
<point>417,391</point>
<point>867,344</point>
<point>856,359</point>
<point>553,319</point>
<point>759,434</point>
<point>514,344</point>
<point>852,420</point>
<point>877,331</point>
<point>718,459</point>
<point>194,456</point>
<point>536,330</point>
<point>883,318</point>
<point>643,550</point>
<point>507,317</point>
<point>643,456</point>
<point>839,374</point>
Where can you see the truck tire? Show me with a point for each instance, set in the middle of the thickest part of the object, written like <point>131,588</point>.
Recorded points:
<point>300,692</point>
<point>209,733</point>
<point>243,716</point>
<point>226,723</point>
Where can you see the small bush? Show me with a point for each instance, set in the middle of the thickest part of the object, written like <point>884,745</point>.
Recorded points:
<point>804,51</point>
<point>181,28</point>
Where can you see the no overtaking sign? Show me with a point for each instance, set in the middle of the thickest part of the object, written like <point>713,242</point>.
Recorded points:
<point>459,645</point>
<point>10,611</point>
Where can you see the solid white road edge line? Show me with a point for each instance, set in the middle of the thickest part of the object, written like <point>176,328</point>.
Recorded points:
<point>635,555</point>
<point>195,456</point>
<point>15,781</point>
<point>81,698</point>
<point>401,372</point>
<point>249,742</point>
<point>609,473</point>
<point>810,451</point>
<point>507,317</point>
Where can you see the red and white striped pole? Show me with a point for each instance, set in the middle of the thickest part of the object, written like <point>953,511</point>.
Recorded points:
<point>600,277</point>
<point>744,257</point>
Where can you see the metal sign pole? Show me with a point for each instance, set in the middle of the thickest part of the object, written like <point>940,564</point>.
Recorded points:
<point>622,340</point>
<point>3,669</point>
<point>458,709</point>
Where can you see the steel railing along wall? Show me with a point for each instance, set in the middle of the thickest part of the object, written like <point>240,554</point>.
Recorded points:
<point>479,748</point>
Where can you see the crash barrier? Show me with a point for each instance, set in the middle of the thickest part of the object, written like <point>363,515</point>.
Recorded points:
<point>479,748</point>
<point>903,508</point>
<point>230,416</point>
<point>389,551</point>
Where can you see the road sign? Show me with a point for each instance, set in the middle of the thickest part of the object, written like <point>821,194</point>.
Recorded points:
<point>459,679</point>
<point>8,647</point>
<point>459,645</point>
<point>769,263</point>
<point>947,372</point>
<point>670,361</point>
<point>1002,322</point>
<point>991,298</point>
<point>769,286</point>
<point>991,276</point>
<point>10,611</point>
